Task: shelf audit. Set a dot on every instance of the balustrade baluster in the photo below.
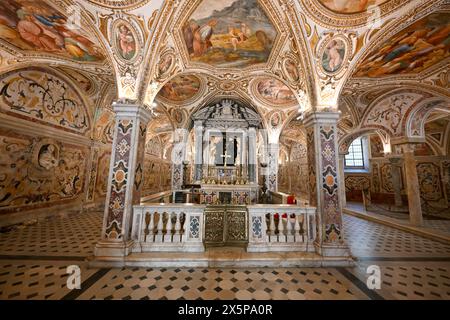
(272, 233)
(177, 235)
(159, 228)
(145, 225)
(297, 228)
(289, 235)
(168, 234)
(151, 228)
(281, 235)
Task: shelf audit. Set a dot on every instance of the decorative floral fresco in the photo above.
(92, 175)
(35, 26)
(181, 88)
(357, 182)
(40, 96)
(82, 81)
(275, 92)
(350, 6)
(412, 50)
(104, 125)
(101, 186)
(429, 181)
(229, 33)
(39, 172)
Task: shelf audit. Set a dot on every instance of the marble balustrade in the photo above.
(179, 228)
(281, 228)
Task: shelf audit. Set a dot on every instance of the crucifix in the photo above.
(225, 157)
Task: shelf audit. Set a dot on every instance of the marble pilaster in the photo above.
(412, 186)
(325, 182)
(198, 140)
(125, 179)
(396, 171)
(252, 154)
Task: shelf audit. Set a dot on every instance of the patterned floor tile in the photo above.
(31, 273)
(70, 235)
(410, 280)
(367, 238)
(36, 280)
(210, 284)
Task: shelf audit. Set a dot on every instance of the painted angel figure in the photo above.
(127, 43)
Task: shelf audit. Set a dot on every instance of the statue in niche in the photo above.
(238, 151)
(214, 142)
(48, 156)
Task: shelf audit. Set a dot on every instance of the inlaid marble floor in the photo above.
(33, 262)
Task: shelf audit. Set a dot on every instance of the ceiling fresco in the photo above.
(274, 92)
(350, 6)
(180, 88)
(37, 27)
(421, 45)
(229, 33)
(283, 57)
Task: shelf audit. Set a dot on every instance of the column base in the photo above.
(337, 250)
(107, 248)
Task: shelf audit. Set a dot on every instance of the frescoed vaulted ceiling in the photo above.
(351, 6)
(284, 58)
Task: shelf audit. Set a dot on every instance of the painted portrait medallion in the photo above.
(275, 92)
(126, 43)
(181, 88)
(333, 56)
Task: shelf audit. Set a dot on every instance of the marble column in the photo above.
(252, 154)
(396, 174)
(412, 186)
(198, 138)
(342, 179)
(325, 183)
(125, 179)
(273, 150)
(178, 157)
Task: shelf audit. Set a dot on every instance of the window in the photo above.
(355, 156)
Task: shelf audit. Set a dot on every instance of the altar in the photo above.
(229, 194)
(225, 154)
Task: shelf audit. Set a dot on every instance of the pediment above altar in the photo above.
(227, 114)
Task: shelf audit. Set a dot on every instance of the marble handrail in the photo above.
(281, 228)
(179, 227)
(168, 227)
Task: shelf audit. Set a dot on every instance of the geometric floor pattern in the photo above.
(34, 258)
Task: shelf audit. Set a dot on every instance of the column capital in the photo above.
(400, 141)
(395, 158)
(330, 117)
(404, 148)
(132, 111)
